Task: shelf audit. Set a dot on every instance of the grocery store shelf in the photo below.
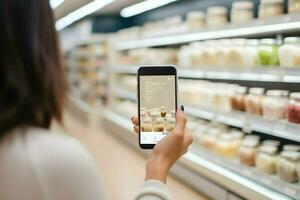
(278, 25)
(262, 74)
(249, 122)
(198, 166)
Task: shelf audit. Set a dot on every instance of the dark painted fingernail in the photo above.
(134, 127)
(132, 118)
(182, 108)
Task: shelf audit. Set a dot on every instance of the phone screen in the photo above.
(157, 107)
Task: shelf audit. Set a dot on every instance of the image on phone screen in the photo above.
(157, 107)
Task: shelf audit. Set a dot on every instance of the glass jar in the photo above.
(287, 165)
(235, 52)
(289, 52)
(293, 110)
(224, 146)
(237, 100)
(266, 159)
(268, 52)
(195, 20)
(250, 53)
(154, 115)
(216, 16)
(146, 125)
(210, 139)
(291, 147)
(159, 125)
(237, 137)
(253, 101)
(271, 143)
(274, 105)
(170, 124)
(242, 11)
(294, 6)
(270, 8)
(247, 151)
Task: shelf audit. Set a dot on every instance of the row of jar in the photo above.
(242, 11)
(273, 104)
(265, 156)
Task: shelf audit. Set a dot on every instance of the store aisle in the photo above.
(122, 168)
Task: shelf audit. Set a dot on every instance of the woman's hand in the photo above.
(168, 150)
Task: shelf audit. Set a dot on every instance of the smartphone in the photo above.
(157, 103)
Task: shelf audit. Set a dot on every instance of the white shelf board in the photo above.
(261, 74)
(215, 172)
(277, 25)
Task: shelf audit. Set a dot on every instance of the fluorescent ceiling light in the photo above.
(55, 3)
(81, 13)
(143, 7)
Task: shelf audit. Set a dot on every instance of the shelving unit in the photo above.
(256, 28)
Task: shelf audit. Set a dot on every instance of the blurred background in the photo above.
(239, 72)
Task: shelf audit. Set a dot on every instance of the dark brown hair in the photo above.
(32, 78)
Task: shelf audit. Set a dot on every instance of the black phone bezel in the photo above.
(157, 70)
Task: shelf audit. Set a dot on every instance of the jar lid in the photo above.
(256, 90)
(242, 5)
(236, 134)
(163, 109)
(147, 120)
(241, 90)
(196, 15)
(155, 113)
(213, 131)
(271, 1)
(268, 41)
(252, 42)
(291, 147)
(217, 10)
(268, 149)
(159, 120)
(252, 137)
(226, 137)
(295, 95)
(292, 40)
(250, 143)
(291, 155)
(271, 143)
(278, 93)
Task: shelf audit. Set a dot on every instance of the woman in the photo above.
(35, 164)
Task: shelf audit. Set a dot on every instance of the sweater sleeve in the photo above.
(153, 190)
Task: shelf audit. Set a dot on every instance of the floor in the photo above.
(121, 168)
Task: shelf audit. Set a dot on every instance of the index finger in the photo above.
(180, 122)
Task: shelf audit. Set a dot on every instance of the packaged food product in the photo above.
(154, 115)
(250, 53)
(170, 124)
(270, 8)
(289, 52)
(242, 11)
(210, 139)
(224, 145)
(294, 6)
(146, 124)
(247, 151)
(238, 99)
(195, 20)
(287, 165)
(216, 16)
(235, 54)
(163, 111)
(266, 158)
(274, 105)
(159, 125)
(268, 52)
(293, 110)
(253, 101)
(271, 143)
(291, 147)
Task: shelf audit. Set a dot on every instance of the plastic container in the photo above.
(253, 101)
(147, 125)
(170, 124)
(247, 151)
(291, 147)
(271, 143)
(289, 52)
(274, 105)
(287, 166)
(154, 115)
(237, 100)
(268, 52)
(159, 125)
(195, 20)
(266, 159)
(270, 8)
(250, 53)
(216, 16)
(210, 139)
(225, 146)
(293, 110)
(294, 6)
(242, 11)
(235, 54)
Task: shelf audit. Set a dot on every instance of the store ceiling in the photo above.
(70, 5)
